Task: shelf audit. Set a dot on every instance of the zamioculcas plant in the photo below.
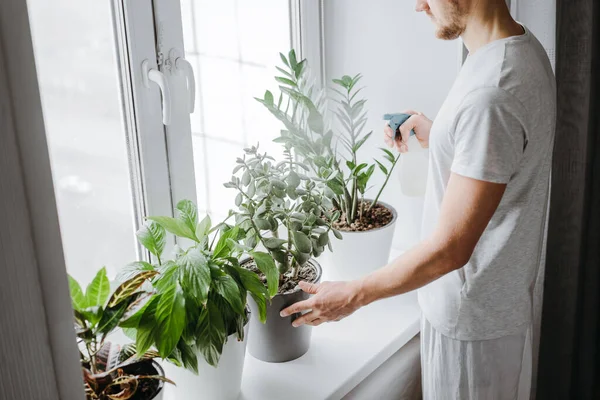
(199, 296)
(274, 198)
(110, 371)
(332, 156)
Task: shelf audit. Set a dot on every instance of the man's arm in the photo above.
(466, 210)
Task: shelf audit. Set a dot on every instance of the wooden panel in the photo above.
(568, 205)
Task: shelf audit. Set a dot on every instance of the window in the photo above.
(115, 155)
(229, 39)
(82, 97)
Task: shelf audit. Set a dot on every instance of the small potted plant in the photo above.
(281, 212)
(111, 371)
(197, 318)
(332, 156)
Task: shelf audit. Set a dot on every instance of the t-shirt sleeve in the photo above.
(489, 136)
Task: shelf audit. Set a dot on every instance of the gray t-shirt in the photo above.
(497, 124)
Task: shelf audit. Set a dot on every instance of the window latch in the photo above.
(154, 75)
(183, 66)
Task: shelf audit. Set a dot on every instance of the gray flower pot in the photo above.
(277, 340)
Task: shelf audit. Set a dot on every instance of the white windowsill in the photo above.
(341, 356)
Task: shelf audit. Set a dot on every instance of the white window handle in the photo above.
(154, 75)
(183, 66)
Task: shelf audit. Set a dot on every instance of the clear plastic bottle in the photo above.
(413, 169)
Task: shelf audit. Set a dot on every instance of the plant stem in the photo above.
(387, 178)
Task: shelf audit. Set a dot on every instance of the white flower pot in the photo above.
(221, 383)
(359, 253)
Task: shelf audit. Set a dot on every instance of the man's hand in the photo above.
(418, 122)
(331, 301)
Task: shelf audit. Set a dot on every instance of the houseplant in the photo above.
(111, 371)
(332, 155)
(197, 318)
(281, 211)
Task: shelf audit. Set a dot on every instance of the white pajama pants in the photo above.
(497, 369)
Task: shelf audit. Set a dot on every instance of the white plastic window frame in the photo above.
(174, 162)
(157, 184)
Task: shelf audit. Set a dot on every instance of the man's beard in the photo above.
(455, 26)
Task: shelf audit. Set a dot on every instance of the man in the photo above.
(490, 155)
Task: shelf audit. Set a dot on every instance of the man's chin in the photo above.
(446, 33)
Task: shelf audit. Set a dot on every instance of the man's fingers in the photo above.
(297, 308)
(387, 129)
(305, 319)
(406, 127)
(310, 288)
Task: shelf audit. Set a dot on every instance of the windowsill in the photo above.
(341, 356)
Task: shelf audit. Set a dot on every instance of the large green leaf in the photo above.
(258, 291)
(132, 269)
(189, 360)
(134, 320)
(169, 274)
(188, 213)
(92, 314)
(147, 327)
(98, 290)
(266, 265)
(223, 247)
(170, 317)
(127, 288)
(195, 278)
(211, 334)
(111, 317)
(175, 226)
(228, 288)
(152, 236)
(203, 228)
(302, 242)
(77, 297)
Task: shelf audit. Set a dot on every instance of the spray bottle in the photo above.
(414, 163)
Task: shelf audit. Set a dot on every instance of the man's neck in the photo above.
(487, 22)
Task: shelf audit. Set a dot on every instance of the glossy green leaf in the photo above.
(127, 288)
(152, 236)
(229, 290)
(97, 291)
(170, 317)
(211, 334)
(147, 327)
(222, 247)
(92, 314)
(77, 297)
(257, 290)
(176, 226)
(195, 274)
(188, 213)
(189, 360)
(203, 228)
(266, 265)
(111, 317)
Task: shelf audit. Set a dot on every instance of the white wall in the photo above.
(403, 66)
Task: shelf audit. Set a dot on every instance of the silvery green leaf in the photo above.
(238, 199)
(337, 234)
(262, 224)
(237, 168)
(246, 178)
(274, 243)
(302, 242)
